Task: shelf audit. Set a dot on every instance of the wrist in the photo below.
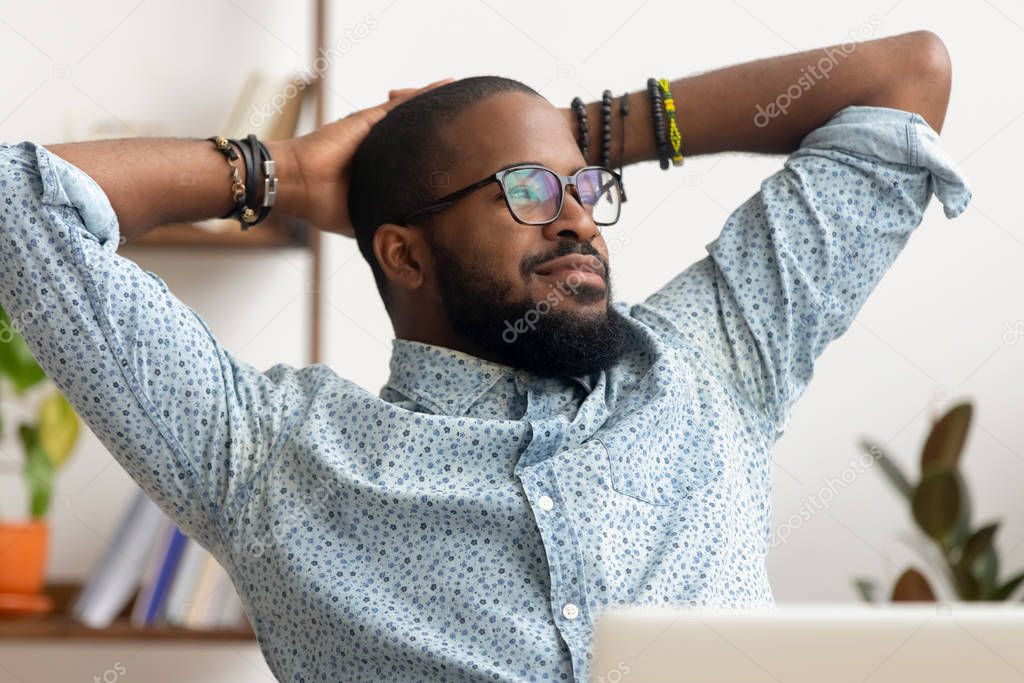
(292, 193)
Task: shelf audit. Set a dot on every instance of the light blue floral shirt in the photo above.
(471, 521)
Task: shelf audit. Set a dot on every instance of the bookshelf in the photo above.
(58, 625)
(275, 232)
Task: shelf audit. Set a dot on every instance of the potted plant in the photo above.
(47, 431)
(941, 508)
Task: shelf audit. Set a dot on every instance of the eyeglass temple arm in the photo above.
(447, 200)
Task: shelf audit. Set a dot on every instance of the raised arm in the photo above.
(796, 261)
(154, 181)
(769, 105)
(189, 422)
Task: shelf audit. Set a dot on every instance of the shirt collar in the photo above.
(448, 381)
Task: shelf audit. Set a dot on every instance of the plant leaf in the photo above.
(947, 437)
(967, 586)
(38, 472)
(985, 570)
(16, 361)
(979, 542)
(932, 554)
(865, 588)
(962, 529)
(58, 427)
(1004, 591)
(912, 587)
(889, 468)
(936, 503)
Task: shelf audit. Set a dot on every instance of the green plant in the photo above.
(47, 442)
(941, 507)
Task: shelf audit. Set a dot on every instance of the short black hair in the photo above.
(404, 161)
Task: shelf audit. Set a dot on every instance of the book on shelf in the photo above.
(152, 598)
(116, 577)
(179, 600)
(173, 579)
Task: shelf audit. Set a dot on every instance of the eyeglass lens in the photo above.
(534, 194)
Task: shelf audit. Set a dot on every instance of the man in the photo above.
(471, 521)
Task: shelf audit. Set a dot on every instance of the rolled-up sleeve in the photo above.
(189, 423)
(796, 261)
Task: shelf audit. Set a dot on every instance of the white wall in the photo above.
(931, 332)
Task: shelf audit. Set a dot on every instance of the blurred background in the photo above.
(945, 326)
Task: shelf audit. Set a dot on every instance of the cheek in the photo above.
(495, 244)
(498, 251)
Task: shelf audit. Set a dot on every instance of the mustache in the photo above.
(564, 248)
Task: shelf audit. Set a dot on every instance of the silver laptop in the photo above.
(933, 643)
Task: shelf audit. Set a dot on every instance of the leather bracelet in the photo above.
(257, 158)
(225, 147)
(269, 183)
(251, 156)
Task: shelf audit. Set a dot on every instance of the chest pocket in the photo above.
(660, 469)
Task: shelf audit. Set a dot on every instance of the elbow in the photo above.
(934, 57)
(930, 77)
(918, 76)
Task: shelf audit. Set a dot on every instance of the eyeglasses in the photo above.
(534, 194)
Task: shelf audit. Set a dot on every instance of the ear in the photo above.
(401, 253)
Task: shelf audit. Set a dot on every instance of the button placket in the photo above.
(566, 596)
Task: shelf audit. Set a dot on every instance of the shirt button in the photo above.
(545, 503)
(570, 611)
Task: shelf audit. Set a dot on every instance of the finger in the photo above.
(404, 92)
(397, 97)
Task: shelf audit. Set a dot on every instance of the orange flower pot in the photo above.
(23, 551)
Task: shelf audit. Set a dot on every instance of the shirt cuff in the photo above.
(897, 136)
(68, 185)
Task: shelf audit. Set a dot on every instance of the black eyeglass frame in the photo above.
(499, 177)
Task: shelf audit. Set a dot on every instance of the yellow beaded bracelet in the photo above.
(674, 136)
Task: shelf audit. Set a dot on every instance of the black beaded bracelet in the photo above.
(658, 116)
(606, 128)
(580, 110)
(623, 113)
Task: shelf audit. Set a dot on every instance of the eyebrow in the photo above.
(535, 163)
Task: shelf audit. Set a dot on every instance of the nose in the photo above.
(574, 221)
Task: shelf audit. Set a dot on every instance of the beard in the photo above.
(533, 335)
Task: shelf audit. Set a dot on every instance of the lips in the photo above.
(572, 262)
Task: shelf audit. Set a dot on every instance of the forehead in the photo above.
(509, 128)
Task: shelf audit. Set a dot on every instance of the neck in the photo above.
(434, 329)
